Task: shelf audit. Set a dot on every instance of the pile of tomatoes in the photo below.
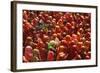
(56, 36)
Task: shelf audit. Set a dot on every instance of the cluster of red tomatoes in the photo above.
(55, 36)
